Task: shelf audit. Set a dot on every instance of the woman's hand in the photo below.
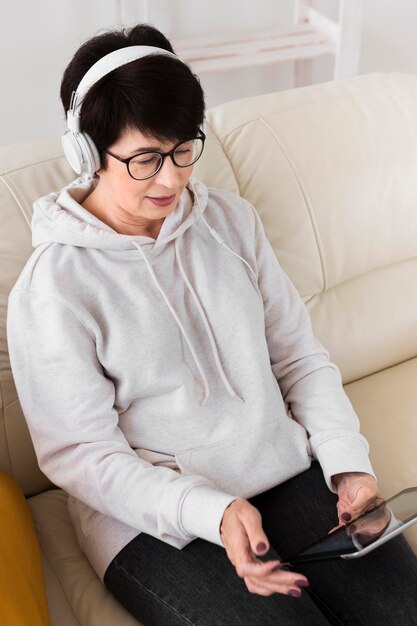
(243, 538)
(358, 492)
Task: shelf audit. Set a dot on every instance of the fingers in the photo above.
(356, 498)
(336, 528)
(359, 507)
(247, 539)
(256, 568)
(244, 539)
(278, 581)
(251, 520)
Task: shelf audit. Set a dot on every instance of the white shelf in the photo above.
(311, 35)
(273, 45)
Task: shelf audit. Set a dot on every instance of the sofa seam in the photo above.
(40, 533)
(226, 155)
(308, 203)
(314, 101)
(6, 406)
(5, 432)
(23, 164)
(16, 196)
(358, 276)
(383, 369)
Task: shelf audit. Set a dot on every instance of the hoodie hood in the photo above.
(59, 217)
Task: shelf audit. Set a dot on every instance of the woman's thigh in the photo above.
(163, 586)
(379, 587)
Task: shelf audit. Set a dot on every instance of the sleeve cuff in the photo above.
(202, 511)
(342, 454)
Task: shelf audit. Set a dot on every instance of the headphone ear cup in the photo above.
(72, 151)
(81, 152)
(91, 157)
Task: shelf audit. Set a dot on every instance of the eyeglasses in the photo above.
(147, 164)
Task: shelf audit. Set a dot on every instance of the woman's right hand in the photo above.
(241, 532)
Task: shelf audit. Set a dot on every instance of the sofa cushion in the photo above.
(330, 169)
(386, 404)
(83, 599)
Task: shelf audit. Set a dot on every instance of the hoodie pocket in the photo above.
(254, 460)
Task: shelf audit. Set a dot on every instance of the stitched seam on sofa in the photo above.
(5, 436)
(15, 193)
(24, 164)
(40, 532)
(383, 369)
(367, 272)
(151, 593)
(16, 399)
(314, 224)
(226, 154)
(1, 397)
(321, 99)
(6, 406)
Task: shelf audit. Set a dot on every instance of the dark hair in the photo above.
(158, 95)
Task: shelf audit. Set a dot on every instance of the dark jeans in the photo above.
(198, 585)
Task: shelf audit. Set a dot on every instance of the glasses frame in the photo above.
(164, 155)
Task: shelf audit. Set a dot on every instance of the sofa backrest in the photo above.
(27, 171)
(331, 170)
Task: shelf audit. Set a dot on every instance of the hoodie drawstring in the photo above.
(206, 324)
(177, 319)
(200, 309)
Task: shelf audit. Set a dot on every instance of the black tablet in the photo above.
(365, 533)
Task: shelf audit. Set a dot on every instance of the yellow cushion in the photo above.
(22, 586)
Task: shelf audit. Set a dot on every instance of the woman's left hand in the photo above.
(358, 492)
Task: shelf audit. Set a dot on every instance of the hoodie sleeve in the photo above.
(310, 383)
(68, 403)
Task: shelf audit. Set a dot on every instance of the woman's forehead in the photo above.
(133, 140)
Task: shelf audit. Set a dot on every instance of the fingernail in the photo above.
(346, 517)
(350, 529)
(302, 583)
(295, 592)
(260, 547)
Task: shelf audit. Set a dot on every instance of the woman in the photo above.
(179, 395)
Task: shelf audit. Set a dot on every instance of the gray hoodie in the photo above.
(162, 379)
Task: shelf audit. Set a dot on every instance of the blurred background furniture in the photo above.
(330, 169)
(311, 35)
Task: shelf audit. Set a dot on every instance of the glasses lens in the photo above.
(144, 165)
(188, 152)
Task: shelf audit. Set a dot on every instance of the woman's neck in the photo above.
(119, 220)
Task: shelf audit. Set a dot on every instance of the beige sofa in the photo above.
(331, 169)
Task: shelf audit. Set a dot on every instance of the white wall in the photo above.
(37, 40)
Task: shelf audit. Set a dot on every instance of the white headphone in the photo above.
(79, 148)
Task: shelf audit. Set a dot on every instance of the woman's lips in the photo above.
(162, 201)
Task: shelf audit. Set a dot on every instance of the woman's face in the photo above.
(129, 199)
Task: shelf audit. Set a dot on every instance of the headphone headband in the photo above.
(104, 66)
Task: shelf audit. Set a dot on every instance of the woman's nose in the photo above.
(169, 174)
